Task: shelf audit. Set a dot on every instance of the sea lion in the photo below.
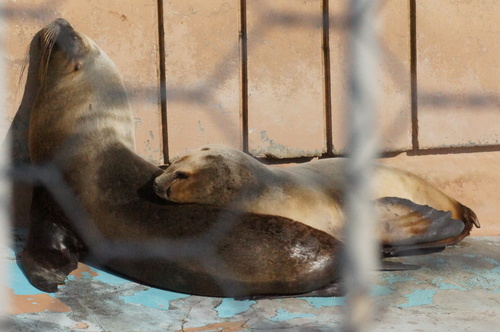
(81, 129)
(312, 193)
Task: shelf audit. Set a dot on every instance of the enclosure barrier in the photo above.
(361, 259)
(4, 179)
(361, 247)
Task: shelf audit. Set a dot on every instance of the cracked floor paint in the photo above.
(457, 289)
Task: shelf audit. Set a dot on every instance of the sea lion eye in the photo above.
(181, 175)
(205, 149)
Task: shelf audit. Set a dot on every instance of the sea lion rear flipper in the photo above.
(407, 226)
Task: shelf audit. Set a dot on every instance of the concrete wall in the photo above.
(269, 77)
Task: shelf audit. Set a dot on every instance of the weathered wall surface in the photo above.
(269, 77)
(458, 73)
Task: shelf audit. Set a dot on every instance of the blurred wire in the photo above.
(4, 180)
(360, 246)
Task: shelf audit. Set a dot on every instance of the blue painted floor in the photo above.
(455, 290)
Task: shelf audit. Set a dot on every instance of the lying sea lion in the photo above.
(81, 127)
(411, 209)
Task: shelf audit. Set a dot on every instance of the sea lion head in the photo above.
(70, 56)
(213, 174)
(75, 74)
(63, 50)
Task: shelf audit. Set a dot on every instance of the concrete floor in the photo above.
(455, 290)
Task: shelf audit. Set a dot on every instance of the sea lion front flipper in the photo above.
(412, 250)
(52, 250)
(397, 266)
(409, 226)
(333, 289)
(43, 271)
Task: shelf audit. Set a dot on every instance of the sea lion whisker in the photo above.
(47, 40)
(23, 68)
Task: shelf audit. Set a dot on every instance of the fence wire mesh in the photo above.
(363, 148)
(5, 194)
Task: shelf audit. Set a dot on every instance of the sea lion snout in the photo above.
(163, 183)
(158, 191)
(160, 187)
(62, 22)
(59, 29)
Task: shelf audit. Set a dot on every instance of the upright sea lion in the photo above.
(81, 127)
(313, 192)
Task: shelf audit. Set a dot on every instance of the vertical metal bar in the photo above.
(413, 72)
(244, 74)
(163, 81)
(4, 180)
(361, 247)
(327, 77)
